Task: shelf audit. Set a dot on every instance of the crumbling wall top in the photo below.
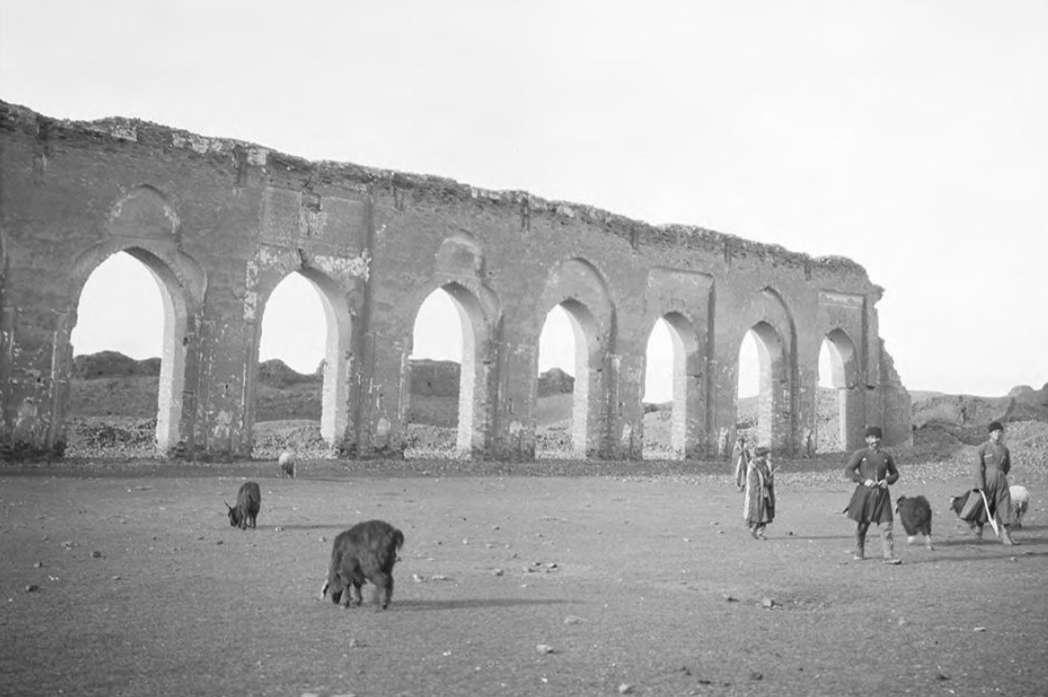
(363, 178)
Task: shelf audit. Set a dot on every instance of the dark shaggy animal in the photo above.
(249, 500)
(365, 551)
(916, 515)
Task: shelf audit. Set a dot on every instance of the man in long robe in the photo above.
(990, 470)
(758, 502)
(872, 469)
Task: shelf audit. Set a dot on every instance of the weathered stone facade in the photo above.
(220, 223)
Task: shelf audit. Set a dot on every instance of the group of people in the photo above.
(873, 470)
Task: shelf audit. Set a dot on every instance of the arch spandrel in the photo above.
(145, 213)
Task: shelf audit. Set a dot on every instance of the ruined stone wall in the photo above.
(221, 223)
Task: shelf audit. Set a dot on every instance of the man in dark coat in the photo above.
(992, 464)
(872, 469)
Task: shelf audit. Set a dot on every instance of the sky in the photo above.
(908, 135)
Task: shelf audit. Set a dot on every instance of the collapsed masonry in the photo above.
(221, 222)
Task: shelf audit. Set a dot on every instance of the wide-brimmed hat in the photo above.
(760, 451)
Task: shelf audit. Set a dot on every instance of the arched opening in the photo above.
(562, 414)
(438, 386)
(762, 387)
(840, 395)
(290, 387)
(128, 376)
(448, 409)
(671, 347)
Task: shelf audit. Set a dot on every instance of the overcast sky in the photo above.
(908, 135)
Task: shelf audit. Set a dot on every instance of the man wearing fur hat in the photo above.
(990, 476)
(872, 469)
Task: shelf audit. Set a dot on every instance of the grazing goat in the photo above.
(1020, 503)
(916, 515)
(365, 551)
(249, 500)
(287, 464)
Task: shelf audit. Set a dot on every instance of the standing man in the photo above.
(872, 469)
(758, 502)
(993, 462)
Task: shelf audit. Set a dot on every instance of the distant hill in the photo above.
(112, 364)
(109, 385)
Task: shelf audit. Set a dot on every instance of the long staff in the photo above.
(993, 523)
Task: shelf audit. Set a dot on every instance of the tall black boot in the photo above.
(860, 542)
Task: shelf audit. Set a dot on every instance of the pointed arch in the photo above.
(845, 378)
(684, 364)
(270, 267)
(181, 282)
(772, 325)
(475, 404)
(145, 213)
(581, 291)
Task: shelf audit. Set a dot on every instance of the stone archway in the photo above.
(580, 290)
(338, 355)
(844, 376)
(685, 397)
(181, 284)
(474, 401)
(772, 385)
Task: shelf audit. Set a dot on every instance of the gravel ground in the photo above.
(132, 583)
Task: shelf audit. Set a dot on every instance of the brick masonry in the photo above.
(221, 222)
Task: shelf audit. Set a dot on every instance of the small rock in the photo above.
(497, 572)
(32, 588)
(323, 538)
(731, 599)
(768, 603)
(979, 629)
(418, 578)
(96, 554)
(38, 565)
(572, 619)
(754, 675)
(544, 648)
(625, 689)
(219, 542)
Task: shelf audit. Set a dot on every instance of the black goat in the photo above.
(249, 501)
(366, 551)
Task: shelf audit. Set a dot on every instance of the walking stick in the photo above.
(993, 523)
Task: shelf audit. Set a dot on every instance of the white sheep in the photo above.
(287, 464)
(1020, 503)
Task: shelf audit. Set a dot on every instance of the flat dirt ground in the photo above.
(128, 580)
